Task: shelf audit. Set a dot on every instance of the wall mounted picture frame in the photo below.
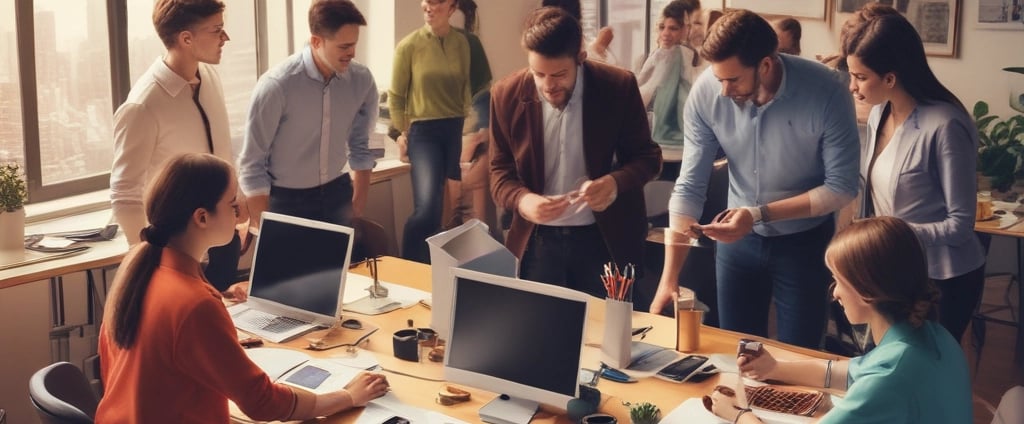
(937, 21)
(812, 9)
(1000, 14)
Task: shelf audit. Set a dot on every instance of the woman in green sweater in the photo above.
(428, 99)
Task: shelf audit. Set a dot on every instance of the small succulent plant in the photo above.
(644, 413)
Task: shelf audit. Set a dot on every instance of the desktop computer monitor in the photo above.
(299, 267)
(517, 338)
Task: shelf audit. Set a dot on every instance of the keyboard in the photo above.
(787, 401)
(268, 326)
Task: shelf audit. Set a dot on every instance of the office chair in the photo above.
(61, 395)
(371, 240)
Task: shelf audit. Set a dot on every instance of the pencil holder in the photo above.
(617, 343)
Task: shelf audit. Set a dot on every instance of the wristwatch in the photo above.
(764, 214)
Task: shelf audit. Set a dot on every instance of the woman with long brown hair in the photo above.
(168, 349)
(919, 160)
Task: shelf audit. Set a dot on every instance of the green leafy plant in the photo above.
(1001, 150)
(13, 192)
(644, 413)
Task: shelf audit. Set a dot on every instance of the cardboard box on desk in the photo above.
(468, 246)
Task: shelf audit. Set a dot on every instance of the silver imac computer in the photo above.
(518, 338)
(297, 279)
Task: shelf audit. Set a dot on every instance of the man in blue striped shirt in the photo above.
(309, 125)
(788, 127)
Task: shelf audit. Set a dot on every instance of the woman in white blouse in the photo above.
(919, 161)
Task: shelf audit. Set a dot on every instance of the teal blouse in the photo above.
(912, 376)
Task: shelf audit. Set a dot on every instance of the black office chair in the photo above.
(61, 395)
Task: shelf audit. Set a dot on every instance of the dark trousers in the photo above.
(222, 270)
(434, 149)
(330, 202)
(789, 268)
(572, 257)
(960, 296)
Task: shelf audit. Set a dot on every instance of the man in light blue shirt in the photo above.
(309, 125)
(788, 127)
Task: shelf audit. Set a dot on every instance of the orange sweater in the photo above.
(186, 362)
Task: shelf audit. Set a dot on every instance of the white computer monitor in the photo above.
(299, 266)
(518, 338)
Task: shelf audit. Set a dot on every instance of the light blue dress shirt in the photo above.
(302, 131)
(913, 376)
(806, 136)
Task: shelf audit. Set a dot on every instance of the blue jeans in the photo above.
(792, 269)
(434, 149)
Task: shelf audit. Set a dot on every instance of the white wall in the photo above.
(975, 75)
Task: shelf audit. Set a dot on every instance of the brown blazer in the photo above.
(617, 141)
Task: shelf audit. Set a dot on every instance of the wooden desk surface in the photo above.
(421, 391)
(102, 254)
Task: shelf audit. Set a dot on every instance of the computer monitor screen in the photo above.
(516, 337)
(300, 265)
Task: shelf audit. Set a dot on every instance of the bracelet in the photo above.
(828, 374)
(742, 411)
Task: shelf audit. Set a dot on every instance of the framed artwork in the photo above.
(1000, 14)
(936, 21)
(814, 9)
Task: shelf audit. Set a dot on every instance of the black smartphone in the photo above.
(682, 369)
(396, 420)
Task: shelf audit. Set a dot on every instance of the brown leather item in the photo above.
(786, 400)
(449, 395)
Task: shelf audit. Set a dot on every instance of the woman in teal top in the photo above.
(428, 100)
(665, 77)
(916, 374)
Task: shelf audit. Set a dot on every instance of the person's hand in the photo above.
(403, 148)
(759, 368)
(239, 292)
(599, 193)
(366, 387)
(724, 402)
(730, 225)
(667, 292)
(244, 236)
(540, 209)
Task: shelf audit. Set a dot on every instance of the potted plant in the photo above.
(644, 413)
(13, 194)
(1001, 147)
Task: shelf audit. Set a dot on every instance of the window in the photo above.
(11, 147)
(73, 89)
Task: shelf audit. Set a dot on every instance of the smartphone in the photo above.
(683, 369)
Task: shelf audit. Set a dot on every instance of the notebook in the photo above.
(297, 278)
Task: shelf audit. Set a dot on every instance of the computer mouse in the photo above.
(352, 324)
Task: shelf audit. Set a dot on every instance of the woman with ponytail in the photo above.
(916, 374)
(168, 349)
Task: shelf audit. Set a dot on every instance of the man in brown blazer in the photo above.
(571, 153)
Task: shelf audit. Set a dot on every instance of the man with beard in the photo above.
(572, 152)
(787, 126)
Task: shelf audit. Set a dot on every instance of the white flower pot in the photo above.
(12, 230)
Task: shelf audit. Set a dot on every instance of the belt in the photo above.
(567, 230)
(343, 180)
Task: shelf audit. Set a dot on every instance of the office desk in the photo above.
(1017, 232)
(421, 392)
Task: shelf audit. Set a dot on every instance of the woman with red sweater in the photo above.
(168, 349)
